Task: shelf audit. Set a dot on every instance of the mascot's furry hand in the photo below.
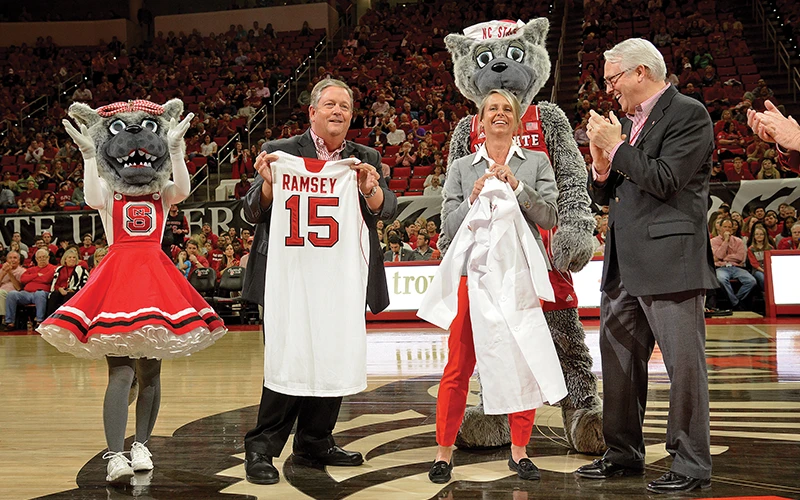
(82, 139)
(572, 249)
(175, 133)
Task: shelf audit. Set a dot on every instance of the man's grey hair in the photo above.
(316, 92)
(634, 52)
(42, 250)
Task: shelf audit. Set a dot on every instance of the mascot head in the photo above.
(131, 142)
(501, 54)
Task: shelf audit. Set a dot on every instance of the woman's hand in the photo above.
(503, 172)
(478, 187)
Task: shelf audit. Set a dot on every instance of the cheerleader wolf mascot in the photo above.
(136, 308)
(512, 56)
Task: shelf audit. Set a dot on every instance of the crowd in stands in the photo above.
(707, 58)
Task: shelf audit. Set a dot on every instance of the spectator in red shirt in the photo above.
(31, 192)
(213, 238)
(36, 282)
(771, 223)
(47, 237)
(242, 187)
(792, 243)
(64, 195)
(88, 248)
(214, 256)
(760, 244)
(739, 172)
(197, 260)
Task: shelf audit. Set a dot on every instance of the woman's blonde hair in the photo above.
(511, 98)
(69, 251)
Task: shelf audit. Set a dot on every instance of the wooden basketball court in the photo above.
(51, 431)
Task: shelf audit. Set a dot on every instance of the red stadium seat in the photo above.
(423, 171)
(412, 193)
(351, 134)
(364, 141)
(221, 141)
(389, 160)
(748, 70)
(391, 151)
(398, 184)
(417, 183)
(401, 172)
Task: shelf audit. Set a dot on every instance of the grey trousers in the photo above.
(629, 328)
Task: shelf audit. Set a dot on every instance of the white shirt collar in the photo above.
(482, 154)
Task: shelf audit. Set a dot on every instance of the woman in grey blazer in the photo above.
(531, 177)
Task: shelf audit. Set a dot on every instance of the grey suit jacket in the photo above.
(537, 200)
(303, 146)
(657, 194)
(405, 255)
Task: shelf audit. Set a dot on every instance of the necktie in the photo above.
(397, 257)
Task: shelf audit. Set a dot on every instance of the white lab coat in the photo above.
(506, 277)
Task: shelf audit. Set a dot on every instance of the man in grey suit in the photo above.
(396, 252)
(330, 112)
(652, 168)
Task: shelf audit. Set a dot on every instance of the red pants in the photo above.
(452, 399)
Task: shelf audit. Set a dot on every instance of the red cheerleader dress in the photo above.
(136, 302)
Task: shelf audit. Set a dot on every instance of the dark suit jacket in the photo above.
(657, 194)
(405, 255)
(303, 146)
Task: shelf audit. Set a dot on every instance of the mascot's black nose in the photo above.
(499, 67)
(133, 128)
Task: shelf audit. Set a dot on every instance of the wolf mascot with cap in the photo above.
(512, 56)
(136, 308)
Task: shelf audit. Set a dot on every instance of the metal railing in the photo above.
(309, 64)
(223, 154)
(560, 57)
(260, 116)
(205, 169)
(70, 84)
(781, 56)
(27, 111)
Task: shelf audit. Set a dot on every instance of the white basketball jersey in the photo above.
(316, 283)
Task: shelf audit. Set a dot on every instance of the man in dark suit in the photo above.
(652, 168)
(396, 252)
(330, 112)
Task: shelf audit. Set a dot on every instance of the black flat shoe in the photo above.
(332, 456)
(672, 482)
(525, 469)
(605, 469)
(440, 472)
(258, 468)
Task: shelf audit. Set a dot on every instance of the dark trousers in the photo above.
(629, 328)
(315, 416)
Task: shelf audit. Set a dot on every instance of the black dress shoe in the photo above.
(332, 456)
(672, 482)
(525, 469)
(440, 472)
(258, 468)
(604, 469)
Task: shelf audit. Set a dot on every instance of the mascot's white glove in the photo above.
(82, 139)
(175, 134)
(177, 147)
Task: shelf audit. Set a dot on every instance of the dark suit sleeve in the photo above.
(253, 213)
(389, 207)
(601, 192)
(684, 149)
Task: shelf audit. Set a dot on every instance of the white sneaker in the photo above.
(140, 457)
(118, 466)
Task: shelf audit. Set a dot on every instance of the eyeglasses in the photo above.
(612, 80)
